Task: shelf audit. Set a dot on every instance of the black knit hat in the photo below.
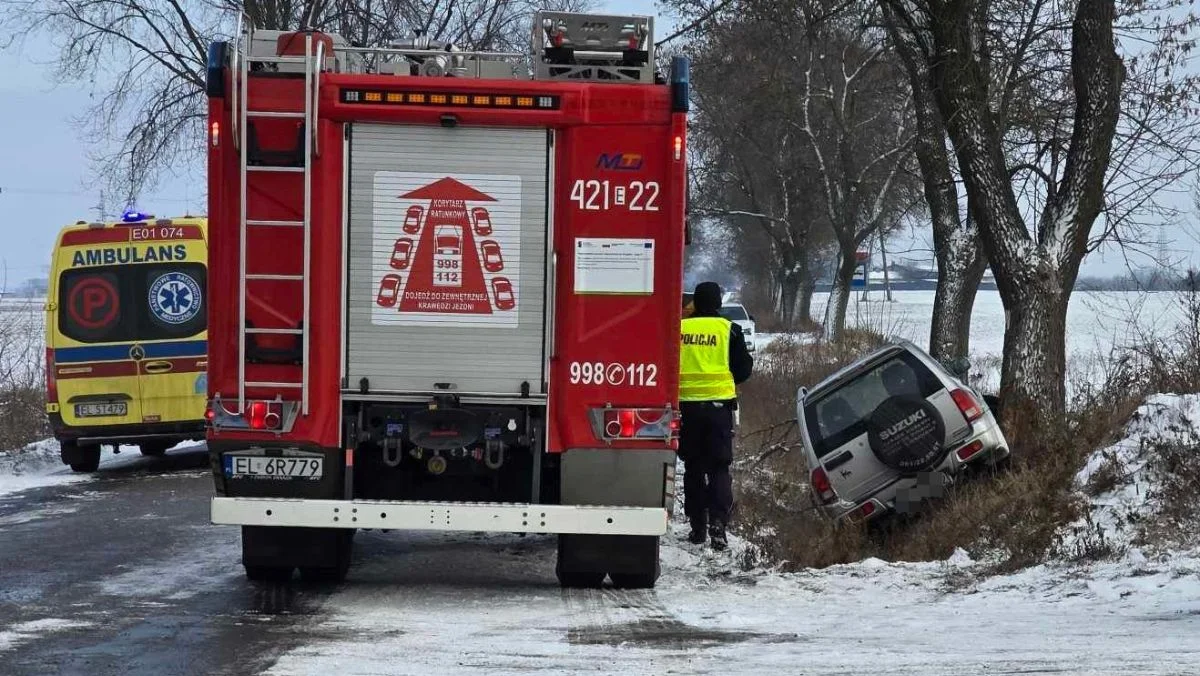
(707, 297)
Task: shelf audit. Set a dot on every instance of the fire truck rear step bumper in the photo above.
(500, 517)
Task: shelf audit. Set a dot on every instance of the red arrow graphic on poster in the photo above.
(446, 273)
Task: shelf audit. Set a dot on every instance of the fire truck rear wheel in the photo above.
(634, 580)
(344, 550)
(580, 580)
(269, 573)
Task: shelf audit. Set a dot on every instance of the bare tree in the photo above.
(1034, 273)
(145, 59)
(856, 120)
(805, 135)
(753, 163)
(1053, 131)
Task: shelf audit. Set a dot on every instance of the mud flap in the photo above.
(616, 555)
(277, 547)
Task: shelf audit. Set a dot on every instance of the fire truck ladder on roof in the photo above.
(312, 64)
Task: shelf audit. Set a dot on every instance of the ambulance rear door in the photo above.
(172, 331)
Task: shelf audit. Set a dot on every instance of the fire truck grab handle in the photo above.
(316, 97)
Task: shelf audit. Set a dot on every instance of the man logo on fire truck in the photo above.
(454, 278)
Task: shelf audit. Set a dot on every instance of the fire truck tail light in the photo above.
(214, 132)
(635, 423)
(259, 415)
(678, 148)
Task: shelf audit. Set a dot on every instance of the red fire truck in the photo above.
(516, 370)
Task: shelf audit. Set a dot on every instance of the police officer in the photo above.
(713, 359)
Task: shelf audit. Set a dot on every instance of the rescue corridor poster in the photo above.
(447, 249)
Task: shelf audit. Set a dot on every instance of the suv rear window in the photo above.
(132, 302)
(733, 313)
(840, 416)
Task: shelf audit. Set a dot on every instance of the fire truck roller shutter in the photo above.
(448, 230)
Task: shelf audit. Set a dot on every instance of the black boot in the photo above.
(716, 536)
(697, 536)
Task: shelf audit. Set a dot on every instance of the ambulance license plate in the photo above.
(260, 467)
(101, 410)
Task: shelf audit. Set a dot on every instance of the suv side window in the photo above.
(840, 416)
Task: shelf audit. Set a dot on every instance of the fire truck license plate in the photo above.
(100, 410)
(254, 467)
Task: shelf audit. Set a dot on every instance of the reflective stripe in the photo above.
(704, 373)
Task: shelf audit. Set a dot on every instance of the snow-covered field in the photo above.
(1097, 323)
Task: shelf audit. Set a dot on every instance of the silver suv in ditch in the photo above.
(890, 431)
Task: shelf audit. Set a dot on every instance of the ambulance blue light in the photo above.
(133, 216)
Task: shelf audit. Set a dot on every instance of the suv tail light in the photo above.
(647, 424)
(864, 510)
(970, 450)
(966, 403)
(51, 378)
(821, 486)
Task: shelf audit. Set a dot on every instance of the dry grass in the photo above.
(22, 377)
(1175, 496)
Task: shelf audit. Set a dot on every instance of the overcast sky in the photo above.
(45, 181)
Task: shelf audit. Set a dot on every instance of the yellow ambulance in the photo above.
(126, 336)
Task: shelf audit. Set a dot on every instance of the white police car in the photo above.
(737, 314)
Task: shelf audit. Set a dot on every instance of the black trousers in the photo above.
(706, 448)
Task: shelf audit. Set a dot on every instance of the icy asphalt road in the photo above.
(122, 574)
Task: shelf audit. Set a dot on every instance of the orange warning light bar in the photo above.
(456, 100)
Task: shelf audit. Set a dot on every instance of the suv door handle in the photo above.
(158, 366)
(839, 461)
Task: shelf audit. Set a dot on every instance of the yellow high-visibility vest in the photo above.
(704, 360)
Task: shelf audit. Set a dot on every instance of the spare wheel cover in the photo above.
(907, 434)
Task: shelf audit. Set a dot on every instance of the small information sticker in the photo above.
(611, 265)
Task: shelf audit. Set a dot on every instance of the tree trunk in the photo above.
(1032, 384)
(804, 308)
(789, 292)
(839, 295)
(950, 332)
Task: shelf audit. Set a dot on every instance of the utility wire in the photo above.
(704, 17)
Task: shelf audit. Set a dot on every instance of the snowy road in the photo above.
(121, 574)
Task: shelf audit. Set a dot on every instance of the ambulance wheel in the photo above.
(80, 458)
(154, 449)
(268, 573)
